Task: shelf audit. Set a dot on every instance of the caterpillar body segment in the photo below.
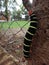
(29, 35)
(32, 31)
(27, 43)
(26, 51)
(27, 39)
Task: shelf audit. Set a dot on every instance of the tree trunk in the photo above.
(40, 49)
(40, 41)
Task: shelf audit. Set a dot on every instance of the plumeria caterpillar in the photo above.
(31, 31)
(29, 34)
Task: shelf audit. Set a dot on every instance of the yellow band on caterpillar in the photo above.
(30, 33)
(32, 15)
(26, 55)
(33, 18)
(27, 39)
(33, 27)
(25, 50)
(33, 21)
(26, 45)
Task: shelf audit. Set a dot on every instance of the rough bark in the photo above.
(40, 42)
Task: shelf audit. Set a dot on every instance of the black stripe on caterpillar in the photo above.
(29, 34)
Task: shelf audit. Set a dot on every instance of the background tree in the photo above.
(0, 4)
(12, 4)
(6, 8)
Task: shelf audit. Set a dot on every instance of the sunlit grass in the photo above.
(15, 24)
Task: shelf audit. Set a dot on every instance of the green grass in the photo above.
(15, 24)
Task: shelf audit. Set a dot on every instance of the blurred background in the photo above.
(14, 22)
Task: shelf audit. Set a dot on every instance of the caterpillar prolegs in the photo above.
(29, 35)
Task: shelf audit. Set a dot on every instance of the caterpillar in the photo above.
(6, 59)
(31, 30)
(29, 34)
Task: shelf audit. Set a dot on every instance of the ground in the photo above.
(11, 36)
(13, 43)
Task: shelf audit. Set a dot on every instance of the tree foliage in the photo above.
(17, 14)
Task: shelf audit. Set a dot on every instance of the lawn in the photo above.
(15, 24)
